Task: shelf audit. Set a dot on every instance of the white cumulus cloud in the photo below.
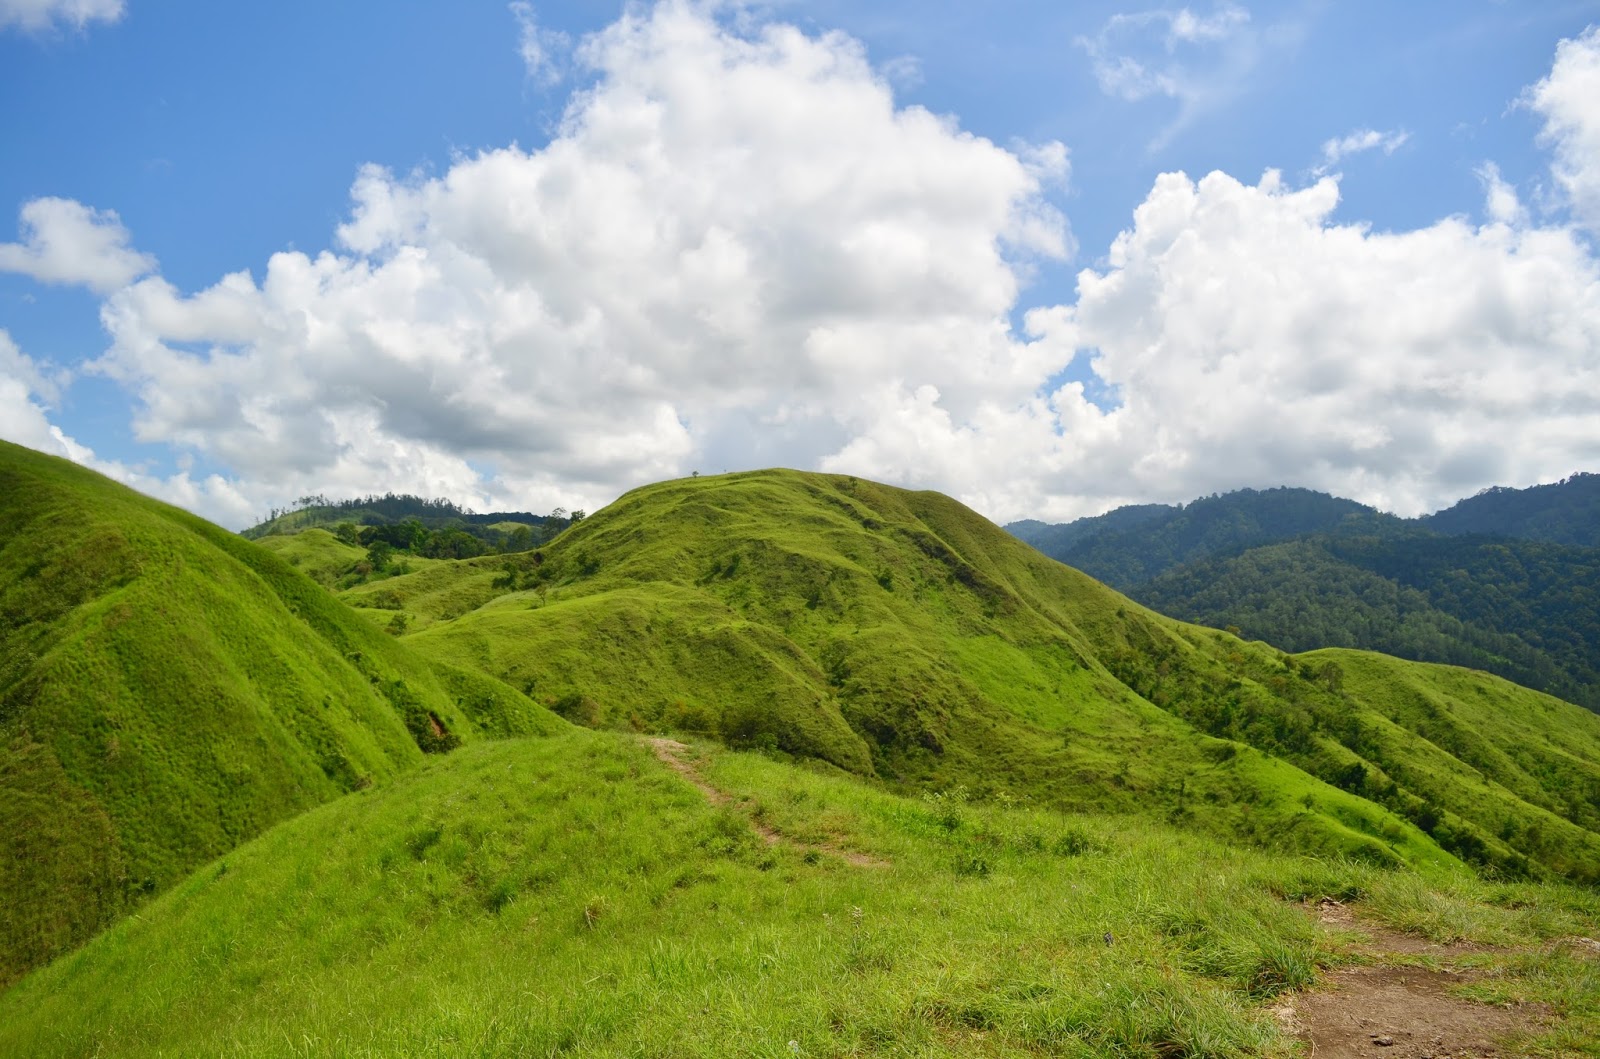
(734, 241)
(738, 251)
(41, 14)
(1253, 341)
(1569, 101)
(64, 241)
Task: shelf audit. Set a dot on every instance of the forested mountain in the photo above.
(1051, 538)
(1565, 512)
(1129, 546)
(1304, 570)
(1525, 611)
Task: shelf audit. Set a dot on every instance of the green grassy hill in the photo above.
(168, 690)
(327, 560)
(574, 896)
(900, 636)
(995, 809)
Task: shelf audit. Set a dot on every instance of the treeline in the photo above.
(1564, 512)
(388, 544)
(316, 510)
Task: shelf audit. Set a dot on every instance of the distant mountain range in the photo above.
(1507, 581)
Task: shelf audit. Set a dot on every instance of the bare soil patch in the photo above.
(677, 757)
(1394, 1010)
(1401, 1013)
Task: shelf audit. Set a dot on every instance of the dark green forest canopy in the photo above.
(1506, 581)
(1564, 512)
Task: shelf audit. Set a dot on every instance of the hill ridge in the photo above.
(899, 635)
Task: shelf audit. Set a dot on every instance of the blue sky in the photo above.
(603, 246)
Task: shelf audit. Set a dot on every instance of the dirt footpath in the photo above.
(680, 758)
(1393, 1009)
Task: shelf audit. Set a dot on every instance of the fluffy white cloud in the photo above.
(730, 230)
(1569, 101)
(39, 14)
(29, 391)
(737, 251)
(26, 391)
(64, 241)
(1254, 341)
(1341, 147)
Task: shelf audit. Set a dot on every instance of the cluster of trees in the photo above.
(434, 514)
(388, 543)
(317, 510)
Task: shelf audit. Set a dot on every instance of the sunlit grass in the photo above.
(573, 895)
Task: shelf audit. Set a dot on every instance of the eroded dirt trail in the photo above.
(1399, 1005)
(678, 757)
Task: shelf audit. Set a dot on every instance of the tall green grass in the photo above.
(573, 896)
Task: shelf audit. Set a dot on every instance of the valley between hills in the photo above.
(769, 763)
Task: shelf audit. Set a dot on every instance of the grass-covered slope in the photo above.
(1457, 737)
(572, 896)
(168, 690)
(315, 552)
(329, 561)
(900, 635)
